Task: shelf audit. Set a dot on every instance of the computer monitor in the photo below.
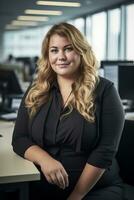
(9, 87)
(10, 79)
(123, 78)
(111, 63)
(126, 81)
(115, 62)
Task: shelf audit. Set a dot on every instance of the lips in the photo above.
(63, 65)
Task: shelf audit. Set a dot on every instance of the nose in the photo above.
(62, 55)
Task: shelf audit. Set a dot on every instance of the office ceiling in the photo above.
(11, 9)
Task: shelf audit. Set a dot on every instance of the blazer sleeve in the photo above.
(111, 124)
(21, 139)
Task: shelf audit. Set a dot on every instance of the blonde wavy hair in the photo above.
(83, 88)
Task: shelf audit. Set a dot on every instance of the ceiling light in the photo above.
(58, 3)
(33, 18)
(23, 23)
(43, 12)
(11, 27)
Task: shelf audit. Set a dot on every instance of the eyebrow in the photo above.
(68, 45)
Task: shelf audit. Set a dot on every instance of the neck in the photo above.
(65, 84)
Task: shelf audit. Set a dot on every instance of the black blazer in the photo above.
(30, 132)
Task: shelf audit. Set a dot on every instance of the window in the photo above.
(79, 23)
(130, 32)
(24, 42)
(98, 37)
(89, 29)
(113, 33)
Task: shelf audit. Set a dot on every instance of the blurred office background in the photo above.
(107, 25)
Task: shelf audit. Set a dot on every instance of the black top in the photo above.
(67, 130)
(98, 140)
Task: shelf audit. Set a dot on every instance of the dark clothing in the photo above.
(74, 165)
(41, 190)
(73, 140)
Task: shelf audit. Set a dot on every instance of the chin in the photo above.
(63, 73)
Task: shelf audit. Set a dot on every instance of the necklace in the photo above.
(64, 104)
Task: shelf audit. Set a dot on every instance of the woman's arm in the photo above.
(24, 146)
(21, 139)
(87, 180)
(51, 168)
(110, 129)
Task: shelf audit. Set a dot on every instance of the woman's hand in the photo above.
(54, 172)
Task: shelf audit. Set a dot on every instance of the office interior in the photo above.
(109, 28)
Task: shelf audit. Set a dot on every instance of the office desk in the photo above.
(14, 170)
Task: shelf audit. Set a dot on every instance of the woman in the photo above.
(70, 122)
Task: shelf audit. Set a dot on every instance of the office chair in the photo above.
(125, 158)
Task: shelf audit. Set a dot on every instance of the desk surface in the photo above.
(13, 168)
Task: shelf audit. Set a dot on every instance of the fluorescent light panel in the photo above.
(33, 18)
(23, 23)
(10, 27)
(58, 3)
(43, 12)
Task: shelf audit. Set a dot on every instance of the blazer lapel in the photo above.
(37, 124)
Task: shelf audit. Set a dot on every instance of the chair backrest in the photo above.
(125, 154)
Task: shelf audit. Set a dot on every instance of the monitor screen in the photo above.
(126, 81)
(10, 82)
(123, 78)
(10, 89)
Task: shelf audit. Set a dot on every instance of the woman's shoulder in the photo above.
(103, 82)
(103, 85)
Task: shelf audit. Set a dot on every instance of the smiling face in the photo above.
(62, 57)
